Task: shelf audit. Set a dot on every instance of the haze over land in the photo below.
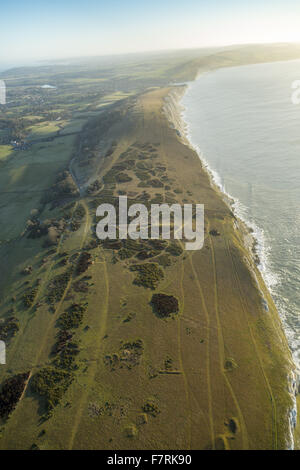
(58, 29)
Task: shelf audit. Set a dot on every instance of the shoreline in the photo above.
(252, 235)
(250, 230)
(261, 248)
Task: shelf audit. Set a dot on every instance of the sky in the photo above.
(53, 29)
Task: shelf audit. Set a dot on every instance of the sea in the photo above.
(246, 128)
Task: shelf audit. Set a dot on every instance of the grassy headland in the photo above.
(98, 364)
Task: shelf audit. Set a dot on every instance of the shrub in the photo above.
(77, 217)
(63, 339)
(146, 254)
(35, 229)
(214, 233)
(51, 383)
(94, 187)
(142, 175)
(155, 183)
(151, 408)
(57, 286)
(111, 244)
(131, 353)
(81, 286)
(83, 263)
(158, 244)
(148, 275)
(131, 431)
(174, 249)
(28, 297)
(124, 253)
(164, 260)
(164, 305)
(66, 359)
(9, 328)
(72, 318)
(64, 186)
(11, 393)
(123, 178)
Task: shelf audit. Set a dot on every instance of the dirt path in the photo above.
(267, 383)
(186, 385)
(207, 342)
(93, 365)
(39, 294)
(25, 386)
(221, 350)
(180, 356)
(58, 308)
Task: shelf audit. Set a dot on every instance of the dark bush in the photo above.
(11, 392)
(123, 178)
(148, 274)
(77, 217)
(63, 338)
(174, 249)
(72, 318)
(57, 286)
(52, 384)
(151, 408)
(8, 328)
(66, 359)
(214, 233)
(164, 305)
(28, 297)
(83, 263)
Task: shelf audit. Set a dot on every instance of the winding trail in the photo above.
(207, 342)
(48, 271)
(186, 385)
(57, 311)
(180, 357)
(39, 293)
(267, 383)
(58, 308)
(221, 349)
(93, 367)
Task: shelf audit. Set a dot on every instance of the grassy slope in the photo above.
(221, 317)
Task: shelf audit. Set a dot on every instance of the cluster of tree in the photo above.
(164, 305)
(11, 392)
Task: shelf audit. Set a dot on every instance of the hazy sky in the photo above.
(36, 29)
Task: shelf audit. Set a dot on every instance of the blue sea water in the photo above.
(244, 125)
